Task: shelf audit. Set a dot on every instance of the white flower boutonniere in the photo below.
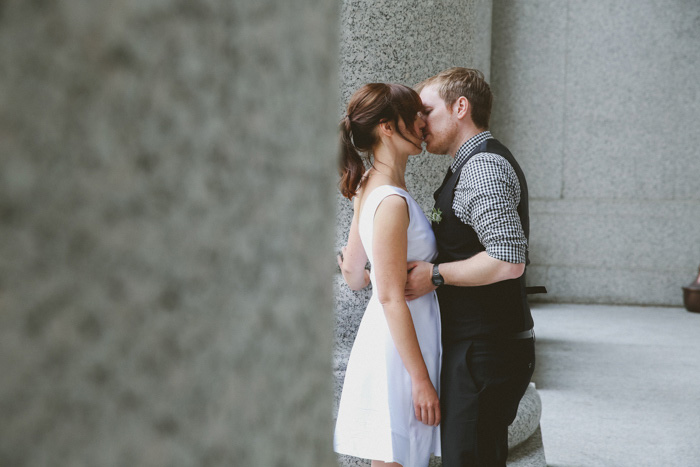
(435, 216)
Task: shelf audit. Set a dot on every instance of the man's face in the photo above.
(440, 132)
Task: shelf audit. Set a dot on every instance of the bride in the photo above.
(389, 410)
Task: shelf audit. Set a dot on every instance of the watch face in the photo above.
(437, 278)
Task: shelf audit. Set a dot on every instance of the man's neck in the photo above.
(466, 135)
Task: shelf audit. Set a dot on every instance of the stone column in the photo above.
(406, 42)
(165, 243)
(402, 42)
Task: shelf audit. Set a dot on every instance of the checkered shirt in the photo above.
(486, 199)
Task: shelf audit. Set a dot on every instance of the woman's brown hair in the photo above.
(371, 105)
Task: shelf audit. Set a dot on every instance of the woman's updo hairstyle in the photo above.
(371, 105)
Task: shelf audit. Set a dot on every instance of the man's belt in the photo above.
(520, 335)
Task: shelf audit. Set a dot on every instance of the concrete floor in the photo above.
(620, 386)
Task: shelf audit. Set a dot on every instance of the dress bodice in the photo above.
(421, 240)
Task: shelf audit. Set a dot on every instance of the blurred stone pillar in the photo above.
(165, 240)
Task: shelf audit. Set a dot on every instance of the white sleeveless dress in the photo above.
(376, 419)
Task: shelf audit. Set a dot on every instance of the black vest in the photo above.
(488, 311)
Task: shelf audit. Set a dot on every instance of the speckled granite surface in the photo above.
(165, 188)
(406, 42)
(528, 418)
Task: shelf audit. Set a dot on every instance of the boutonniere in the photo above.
(435, 216)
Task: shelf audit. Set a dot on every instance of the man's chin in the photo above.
(433, 150)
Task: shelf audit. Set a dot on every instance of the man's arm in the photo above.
(480, 269)
(486, 198)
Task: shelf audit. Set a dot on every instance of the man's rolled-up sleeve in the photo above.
(487, 198)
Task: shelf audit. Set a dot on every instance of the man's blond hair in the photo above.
(456, 82)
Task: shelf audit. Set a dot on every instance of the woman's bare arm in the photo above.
(353, 259)
(389, 250)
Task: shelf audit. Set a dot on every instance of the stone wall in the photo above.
(599, 102)
(166, 247)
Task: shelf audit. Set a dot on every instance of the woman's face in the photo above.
(413, 135)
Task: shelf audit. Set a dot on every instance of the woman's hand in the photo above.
(340, 257)
(425, 402)
(354, 285)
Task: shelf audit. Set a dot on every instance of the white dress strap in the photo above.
(375, 198)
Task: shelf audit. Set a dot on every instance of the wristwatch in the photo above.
(437, 279)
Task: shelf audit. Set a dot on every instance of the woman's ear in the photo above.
(386, 128)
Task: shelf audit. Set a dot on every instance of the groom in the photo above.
(481, 225)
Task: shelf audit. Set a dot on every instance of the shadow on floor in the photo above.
(548, 354)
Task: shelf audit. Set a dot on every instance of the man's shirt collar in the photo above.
(466, 149)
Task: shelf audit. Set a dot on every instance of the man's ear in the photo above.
(461, 106)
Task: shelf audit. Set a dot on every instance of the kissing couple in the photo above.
(445, 348)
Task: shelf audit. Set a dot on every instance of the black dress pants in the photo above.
(482, 382)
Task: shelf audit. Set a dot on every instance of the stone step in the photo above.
(528, 418)
(530, 453)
